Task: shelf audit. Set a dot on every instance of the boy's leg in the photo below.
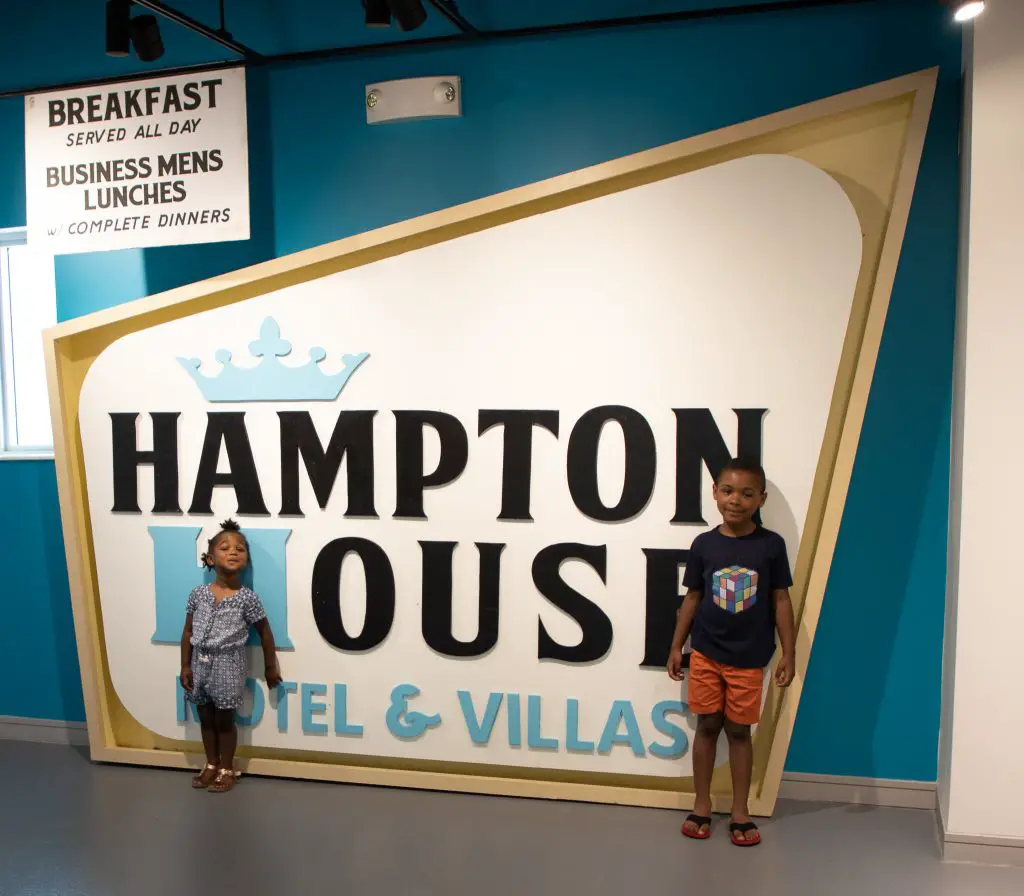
(741, 764)
(705, 745)
(706, 698)
(743, 691)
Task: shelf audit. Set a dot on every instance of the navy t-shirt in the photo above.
(735, 621)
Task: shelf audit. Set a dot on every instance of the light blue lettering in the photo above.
(515, 720)
(680, 742)
(622, 711)
(176, 573)
(258, 705)
(404, 723)
(184, 705)
(533, 735)
(572, 729)
(309, 708)
(479, 732)
(283, 690)
(342, 727)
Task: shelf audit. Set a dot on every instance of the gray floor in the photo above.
(70, 828)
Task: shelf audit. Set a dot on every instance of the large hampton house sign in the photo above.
(470, 453)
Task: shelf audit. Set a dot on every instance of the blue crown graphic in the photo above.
(270, 380)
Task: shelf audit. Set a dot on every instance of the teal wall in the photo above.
(532, 110)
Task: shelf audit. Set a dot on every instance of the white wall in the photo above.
(981, 783)
(957, 442)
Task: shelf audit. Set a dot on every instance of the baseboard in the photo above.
(858, 791)
(969, 849)
(1007, 851)
(44, 731)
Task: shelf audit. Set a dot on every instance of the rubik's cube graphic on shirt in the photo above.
(734, 588)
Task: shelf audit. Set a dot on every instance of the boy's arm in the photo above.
(186, 654)
(786, 626)
(684, 620)
(269, 652)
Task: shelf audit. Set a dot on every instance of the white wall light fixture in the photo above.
(414, 98)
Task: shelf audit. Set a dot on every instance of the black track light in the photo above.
(119, 14)
(378, 13)
(149, 46)
(409, 14)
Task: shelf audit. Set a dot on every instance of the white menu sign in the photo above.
(157, 162)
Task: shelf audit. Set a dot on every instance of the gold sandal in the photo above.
(224, 781)
(204, 779)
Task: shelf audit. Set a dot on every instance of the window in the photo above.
(28, 305)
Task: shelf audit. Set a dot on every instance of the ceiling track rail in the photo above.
(445, 41)
(220, 36)
(450, 11)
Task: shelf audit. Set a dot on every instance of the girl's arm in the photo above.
(186, 654)
(269, 652)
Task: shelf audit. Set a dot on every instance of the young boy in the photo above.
(737, 580)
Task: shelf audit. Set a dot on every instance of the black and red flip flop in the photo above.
(699, 821)
(745, 828)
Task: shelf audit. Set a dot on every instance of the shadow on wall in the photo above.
(778, 516)
(168, 267)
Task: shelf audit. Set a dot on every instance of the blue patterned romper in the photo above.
(219, 633)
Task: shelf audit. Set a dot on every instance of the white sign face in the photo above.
(159, 162)
(489, 573)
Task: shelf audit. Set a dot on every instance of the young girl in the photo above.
(213, 662)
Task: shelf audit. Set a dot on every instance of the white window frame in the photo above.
(12, 236)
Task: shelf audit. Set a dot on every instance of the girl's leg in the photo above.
(227, 737)
(229, 673)
(208, 727)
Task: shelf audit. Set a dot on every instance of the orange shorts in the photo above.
(715, 687)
